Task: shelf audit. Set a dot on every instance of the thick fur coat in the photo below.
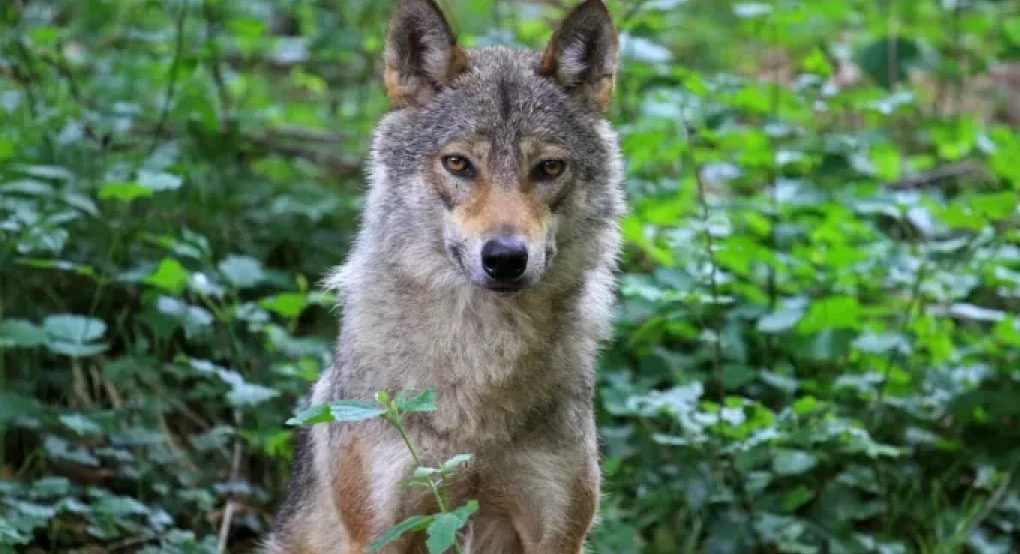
(482, 145)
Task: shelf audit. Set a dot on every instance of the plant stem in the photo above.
(395, 419)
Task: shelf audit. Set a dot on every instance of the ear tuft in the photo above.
(422, 55)
(582, 55)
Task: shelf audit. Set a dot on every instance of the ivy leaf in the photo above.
(413, 523)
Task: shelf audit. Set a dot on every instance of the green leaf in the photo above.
(424, 401)
(887, 60)
(452, 463)
(80, 424)
(442, 532)
(250, 394)
(20, 333)
(355, 410)
(123, 191)
(72, 335)
(413, 523)
(880, 343)
(288, 304)
(242, 271)
(159, 180)
(170, 276)
(834, 312)
(342, 410)
(796, 497)
(423, 473)
(311, 416)
(465, 511)
(780, 320)
(793, 462)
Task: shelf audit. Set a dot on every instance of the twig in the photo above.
(174, 447)
(993, 502)
(710, 246)
(226, 104)
(171, 86)
(925, 178)
(332, 161)
(228, 511)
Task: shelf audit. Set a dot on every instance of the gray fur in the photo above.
(514, 374)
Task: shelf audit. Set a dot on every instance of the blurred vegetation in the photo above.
(817, 346)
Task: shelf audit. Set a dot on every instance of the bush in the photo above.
(817, 346)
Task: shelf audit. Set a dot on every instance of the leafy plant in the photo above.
(441, 527)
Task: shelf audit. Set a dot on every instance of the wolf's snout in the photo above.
(505, 259)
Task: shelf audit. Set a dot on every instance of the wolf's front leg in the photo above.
(366, 470)
(555, 492)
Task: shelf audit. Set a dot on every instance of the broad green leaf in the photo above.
(311, 415)
(342, 410)
(242, 271)
(73, 328)
(413, 523)
(780, 320)
(442, 532)
(355, 410)
(170, 276)
(20, 333)
(125, 191)
(796, 497)
(880, 343)
(834, 312)
(250, 394)
(288, 304)
(793, 462)
(888, 59)
(158, 180)
(80, 424)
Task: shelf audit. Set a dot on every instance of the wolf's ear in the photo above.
(421, 54)
(582, 55)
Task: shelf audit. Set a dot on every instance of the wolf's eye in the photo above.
(458, 165)
(549, 169)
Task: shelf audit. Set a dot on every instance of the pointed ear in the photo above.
(582, 55)
(421, 53)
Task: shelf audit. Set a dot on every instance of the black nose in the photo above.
(505, 258)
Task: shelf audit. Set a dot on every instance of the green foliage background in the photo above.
(817, 348)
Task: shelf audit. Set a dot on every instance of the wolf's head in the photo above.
(494, 160)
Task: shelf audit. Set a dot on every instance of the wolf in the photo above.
(484, 268)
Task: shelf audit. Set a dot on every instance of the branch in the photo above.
(925, 178)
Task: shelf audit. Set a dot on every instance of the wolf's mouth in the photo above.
(505, 290)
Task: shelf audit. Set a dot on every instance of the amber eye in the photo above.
(458, 165)
(549, 169)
